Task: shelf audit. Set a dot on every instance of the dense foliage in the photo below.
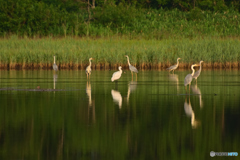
(147, 19)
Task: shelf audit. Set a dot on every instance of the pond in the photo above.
(61, 115)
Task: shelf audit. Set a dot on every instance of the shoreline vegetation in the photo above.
(152, 33)
(108, 53)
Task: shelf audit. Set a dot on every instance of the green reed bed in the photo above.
(108, 53)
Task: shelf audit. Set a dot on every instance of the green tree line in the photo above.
(110, 17)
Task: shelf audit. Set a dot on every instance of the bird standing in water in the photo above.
(55, 67)
(88, 69)
(174, 67)
(197, 74)
(117, 75)
(188, 78)
(132, 68)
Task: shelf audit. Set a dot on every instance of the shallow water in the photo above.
(62, 116)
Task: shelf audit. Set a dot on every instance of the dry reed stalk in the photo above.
(107, 65)
(235, 64)
(159, 65)
(12, 65)
(209, 65)
(35, 65)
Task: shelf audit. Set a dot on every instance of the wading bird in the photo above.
(188, 78)
(117, 75)
(88, 69)
(172, 68)
(197, 74)
(132, 68)
(55, 67)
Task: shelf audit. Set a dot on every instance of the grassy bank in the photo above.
(109, 53)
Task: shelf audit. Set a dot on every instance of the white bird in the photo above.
(132, 68)
(188, 78)
(197, 74)
(189, 112)
(55, 67)
(117, 75)
(172, 68)
(88, 69)
(117, 98)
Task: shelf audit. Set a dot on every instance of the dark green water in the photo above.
(152, 118)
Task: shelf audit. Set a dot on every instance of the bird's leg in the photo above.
(136, 76)
(132, 75)
(189, 88)
(116, 86)
(186, 88)
(196, 81)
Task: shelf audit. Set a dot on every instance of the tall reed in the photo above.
(74, 53)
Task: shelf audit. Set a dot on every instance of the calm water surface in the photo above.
(151, 118)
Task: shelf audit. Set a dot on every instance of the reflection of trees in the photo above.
(144, 130)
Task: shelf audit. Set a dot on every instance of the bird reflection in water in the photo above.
(189, 112)
(55, 77)
(88, 91)
(132, 86)
(197, 91)
(174, 78)
(117, 98)
(91, 106)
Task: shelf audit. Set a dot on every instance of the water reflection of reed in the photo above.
(117, 98)
(189, 112)
(196, 90)
(132, 86)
